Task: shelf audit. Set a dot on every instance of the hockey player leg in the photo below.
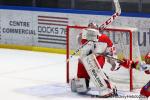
(79, 85)
(97, 76)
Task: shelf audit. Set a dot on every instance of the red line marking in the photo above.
(53, 17)
(52, 24)
(52, 20)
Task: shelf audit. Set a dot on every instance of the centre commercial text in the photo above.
(25, 28)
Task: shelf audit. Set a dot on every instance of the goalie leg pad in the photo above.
(97, 75)
(79, 85)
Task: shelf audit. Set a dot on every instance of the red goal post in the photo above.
(121, 30)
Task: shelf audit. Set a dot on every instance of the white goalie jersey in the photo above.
(94, 44)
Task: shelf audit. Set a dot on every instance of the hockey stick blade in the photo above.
(97, 96)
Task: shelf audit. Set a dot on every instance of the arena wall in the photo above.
(44, 29)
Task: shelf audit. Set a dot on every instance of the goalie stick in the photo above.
(118, 60)
(77, 50)
(104, 25)
(113, 17)
(111, 57)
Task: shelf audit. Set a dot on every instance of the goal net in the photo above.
(126, 43)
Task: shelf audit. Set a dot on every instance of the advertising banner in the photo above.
(48, 29)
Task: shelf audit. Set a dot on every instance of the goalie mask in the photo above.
(93, 25)
(91, 33)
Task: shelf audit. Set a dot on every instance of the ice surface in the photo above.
(26, 75)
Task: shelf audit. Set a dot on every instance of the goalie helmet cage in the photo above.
(125, 46)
